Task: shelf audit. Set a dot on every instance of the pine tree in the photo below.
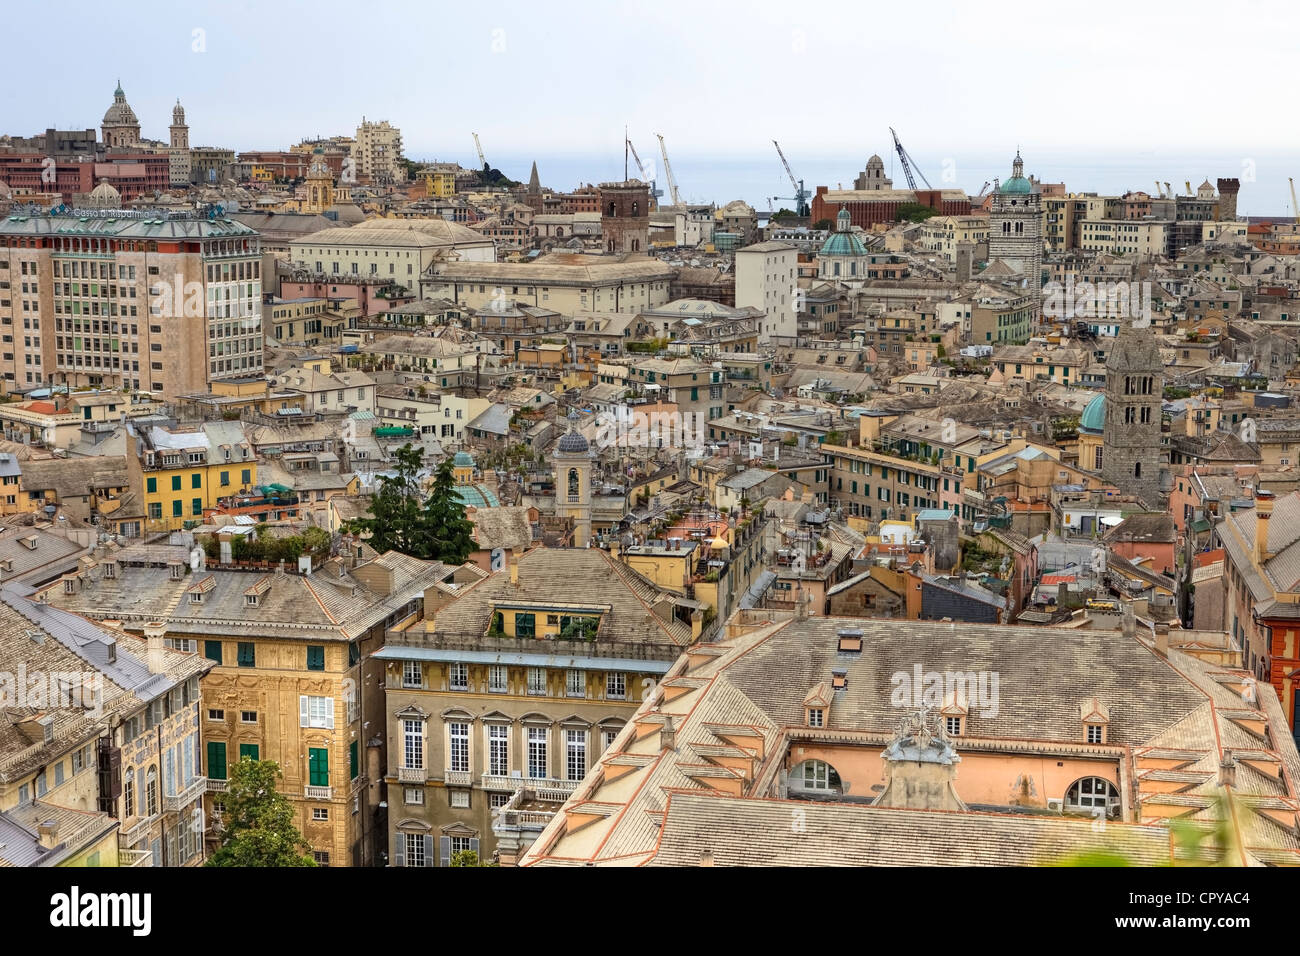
(450, 533)
(396, 520)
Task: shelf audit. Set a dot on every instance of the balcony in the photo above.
(217, 786)
(179, 801)
(456, 778)
(135, 858)
(546, 788)
(139, 831)
(412, 775)
(318, 793)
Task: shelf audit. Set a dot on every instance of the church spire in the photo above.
(534, 184)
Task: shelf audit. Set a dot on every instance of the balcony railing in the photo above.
(546, 788)
(217, 786)
(135, 857)
(136, 833)
(456, 778)
(181, 800)
(318, 793)
(412, 775)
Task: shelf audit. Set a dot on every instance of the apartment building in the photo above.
(1123, 236)
(306, 321)
(377, 153)
(166, 305)
(287, 682)
(180, 472)
(104, 768)
(521, 681)
(690, 385)
(943, 234)
(766, 279)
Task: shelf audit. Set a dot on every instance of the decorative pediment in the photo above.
(412, 712)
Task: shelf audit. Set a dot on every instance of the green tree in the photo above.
(914, 212)
(258, 824)
(396, 521)
(468, 858)
(449, 532)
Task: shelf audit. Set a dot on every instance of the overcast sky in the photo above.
(716, 78)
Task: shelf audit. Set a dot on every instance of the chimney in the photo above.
(697, 624)
(514, 568)
(1263, 512)
(614, 548)
(706, 858)
(155, 657)
(1128, 622)
(668, 735)
(1227, 770)
(1162, 639)
(47, 834)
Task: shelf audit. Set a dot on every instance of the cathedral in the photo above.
(1015, 230)
(120, 126)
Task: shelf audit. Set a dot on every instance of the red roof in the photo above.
(40, 408)
(1050, 579)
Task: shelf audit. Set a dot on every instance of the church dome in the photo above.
(572, 443)
(842, 242)
(1093, 419)
(1016, 184)
(104, 196)
(463, 459)
(120, 113)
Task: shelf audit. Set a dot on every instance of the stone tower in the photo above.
(625, 216)
(320, 184)
(179, 148)
(1015, 230)
(1132, 457)
(1228, 189)
(873, 177)
(573, 484)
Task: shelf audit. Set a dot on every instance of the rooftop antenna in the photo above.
(624, 152)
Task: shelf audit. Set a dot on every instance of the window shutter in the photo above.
(329, 714)
(399, 850)
(444, 851)
(428, 851)
(473, 847)
(304, 716)
(353, 761)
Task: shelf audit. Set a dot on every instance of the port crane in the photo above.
(1295, 210)
(668, 171)
(477, 145)
(655, 192)
(908, 164)
(801, 195)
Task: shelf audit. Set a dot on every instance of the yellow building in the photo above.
(287, 682)
(179, 473)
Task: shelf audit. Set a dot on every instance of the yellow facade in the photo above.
(176, 495)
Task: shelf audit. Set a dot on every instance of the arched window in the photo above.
(559, 232)
(815, 776)
(151, 792)
(1091, 792)
(573, 483)
(610, 213)
(636, 208)
(128, 793)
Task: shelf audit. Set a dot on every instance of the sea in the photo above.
(761, 181)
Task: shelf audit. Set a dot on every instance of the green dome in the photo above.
(843, 244)
(1016, 184)
(1093, 419)
(463, 459)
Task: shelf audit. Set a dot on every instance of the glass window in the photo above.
(458, 752)
(537, 765)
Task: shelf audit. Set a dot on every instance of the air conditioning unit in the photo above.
(1057, 805)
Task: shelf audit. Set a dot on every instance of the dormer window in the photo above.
(839, 679)
(816, 717)
(1096, 733)
(251, 599)
(110, 569)
(1095, 719)
(196, 597)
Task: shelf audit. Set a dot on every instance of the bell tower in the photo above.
(573, 484)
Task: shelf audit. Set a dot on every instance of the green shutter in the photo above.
(176, 482)
(247, 655)
(152, 485)
(249, 751)
(353, 762)
(196, 480)
(247, 476)
(212, 650)
(176, 508)
(318, 766)
(315, 658)
(216, 760)
(198, 506)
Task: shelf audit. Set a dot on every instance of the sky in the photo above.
(1087, 91)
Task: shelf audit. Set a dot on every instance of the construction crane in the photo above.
(668, 171)
(908, 164)
(801, 195)
(477, 145)
(655, 193)
(1295, 210)
(983, 190)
